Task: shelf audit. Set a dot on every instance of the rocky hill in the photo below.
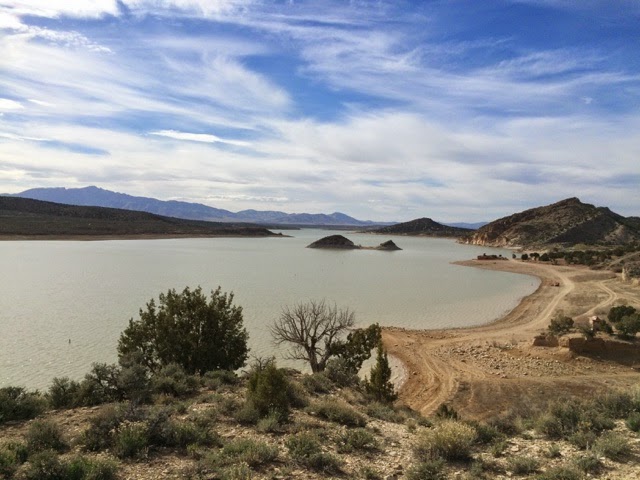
(423, 226)
(334, 241)
(24, 217)
(565, 223)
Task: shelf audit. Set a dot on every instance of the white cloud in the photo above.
(9, 105)
(57, 8)
(198, 137)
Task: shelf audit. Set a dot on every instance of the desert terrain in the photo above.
(494, 369)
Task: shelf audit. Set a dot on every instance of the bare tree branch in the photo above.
(312, 329)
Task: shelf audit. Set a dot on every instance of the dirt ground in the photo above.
(493, 369)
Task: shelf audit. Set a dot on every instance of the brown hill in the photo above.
(24, 217)
(424, 227)
(333, 241)
(565, 223)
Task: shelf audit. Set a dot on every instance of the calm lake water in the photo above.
(63, 304)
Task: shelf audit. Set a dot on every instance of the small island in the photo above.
(343, 243)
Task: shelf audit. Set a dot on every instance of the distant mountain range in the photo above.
(565, 223)
(423, 227)
(94, 196)
(28, 218)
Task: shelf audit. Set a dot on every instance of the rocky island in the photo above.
(343, 243)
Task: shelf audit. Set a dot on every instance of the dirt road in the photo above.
(483, 371)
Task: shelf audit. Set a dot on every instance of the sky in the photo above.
(384, 110)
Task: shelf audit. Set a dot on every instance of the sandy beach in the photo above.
(491, 369)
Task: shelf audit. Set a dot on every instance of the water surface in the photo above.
(63, 304)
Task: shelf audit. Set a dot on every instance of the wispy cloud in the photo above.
(198, 137)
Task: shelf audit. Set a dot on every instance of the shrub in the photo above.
(370, 473)
(384, 412)
(560, 325)
(269, 424)
(358, 439)
(99, 386)
(613, 446)
(248, 414)
(523, 465)
(83, 468)
(633, 422)
(12, 455)
(172, 380)
(18, 404)
(340, 372)
(583, 439)
(268, 389)
(427, 470)
(45, 435)
(486, 433)
(303, 445)
(588, 463)
(449, 439)
(98, 436)
(131, 440)
(616, 314)
(252, 452)
(297, 395)
(446, 411)
(339, 413)
(186, 328)
(45, 465)
(561, 472)
(317, 383)
(615, 404)
(215, 378)
(379, 384)
(324, 462)
(63, 392)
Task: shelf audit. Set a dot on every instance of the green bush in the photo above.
(172, 380)
(63, 393)
(187, 328)
(384, 412)
(325, 463)
(616, 314)
(131, 440)
(523, 465)
(98, 436)
(633, 422)
(303, 445)
(427, 470)
(213, 379)
(613, 446)
(553, 451)
(369, 473)
(254, 453)
(248, 414)
(47, 465)
(340, 372)
(379, 385)
(561, 472)
(449, 439)
(560, 325)
(583, 439)
(269, 424)
(99, 386)
(268, 389)
(357, 439)
(12, 455)
(45, 435)
(18, 404)
(317, 383)
(446, 411)
(338, 412)
(588, 463)
(485, 433)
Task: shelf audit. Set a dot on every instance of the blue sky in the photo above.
(384, 110)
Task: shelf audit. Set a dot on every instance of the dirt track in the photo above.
(487, 370)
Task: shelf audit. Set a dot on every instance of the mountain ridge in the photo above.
(99, 197)
(422, 227)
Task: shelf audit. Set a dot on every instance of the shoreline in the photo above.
(142, 236)
(489, 368)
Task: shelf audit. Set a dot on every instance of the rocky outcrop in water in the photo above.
(334, 241)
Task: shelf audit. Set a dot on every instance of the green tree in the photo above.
(629, 326)
(616, 314)
(313, 331)
(190, 330)
(268, 389)
(561, 324)
(524, 257)
(379, 384)
(358, 346)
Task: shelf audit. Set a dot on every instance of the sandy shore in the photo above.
(485, 370)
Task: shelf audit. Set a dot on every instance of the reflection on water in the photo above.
(63, 304)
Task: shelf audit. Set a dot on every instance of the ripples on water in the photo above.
(63, 304)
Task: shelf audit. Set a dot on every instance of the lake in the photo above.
(63, 304)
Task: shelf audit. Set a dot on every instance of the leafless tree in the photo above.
(312, 329)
